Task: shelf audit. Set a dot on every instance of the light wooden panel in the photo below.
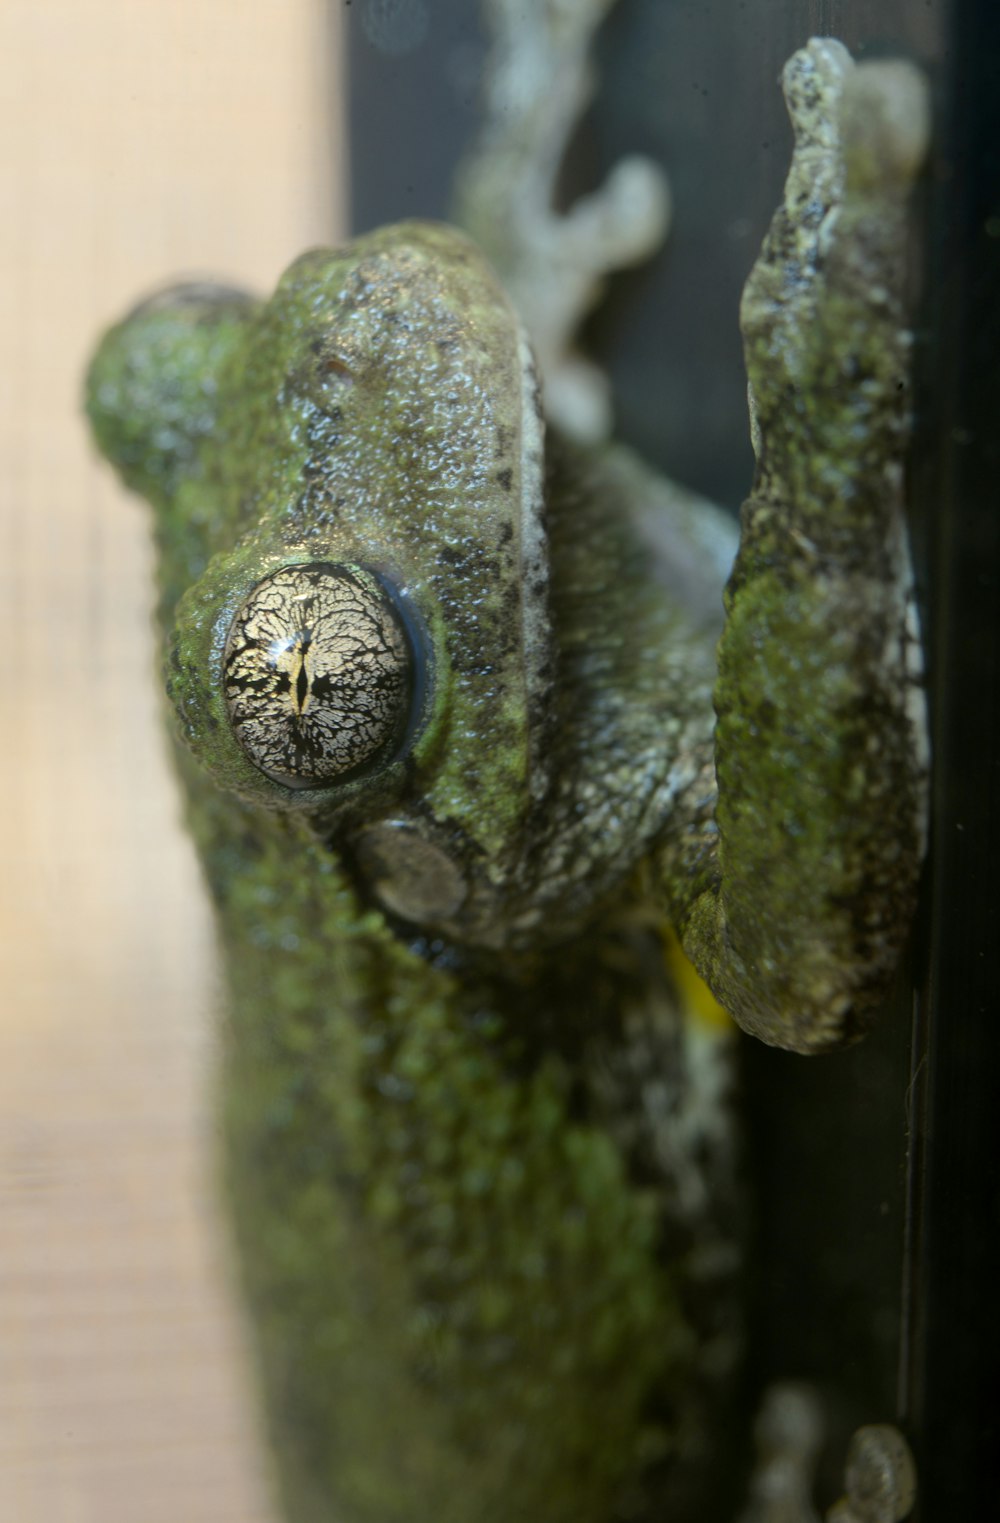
(137, 141)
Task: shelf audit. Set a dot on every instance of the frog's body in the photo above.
(491, 1256)
(483, 1138)
(478, 1149)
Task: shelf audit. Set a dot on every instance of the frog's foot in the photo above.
(788, 1435)
(880, 1477)
(538, 83)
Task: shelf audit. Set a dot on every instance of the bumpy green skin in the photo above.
(458, 1296)
(453, 1237)
(481, 1178)
(820, 753)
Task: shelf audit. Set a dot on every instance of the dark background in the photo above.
(879, 1214)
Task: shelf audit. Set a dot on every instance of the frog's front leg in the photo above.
(796, 914)
(538, 82)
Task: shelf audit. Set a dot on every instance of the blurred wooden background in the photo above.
(136, 142)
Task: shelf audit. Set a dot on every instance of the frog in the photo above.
(518, 780)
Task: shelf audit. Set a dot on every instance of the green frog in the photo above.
(503, 819)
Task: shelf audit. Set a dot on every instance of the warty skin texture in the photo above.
(481, 1174)
(451, 1224)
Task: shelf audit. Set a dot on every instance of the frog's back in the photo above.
(487, 1215)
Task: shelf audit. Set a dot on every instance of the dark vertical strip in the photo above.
(952, 1376)
(412, 104)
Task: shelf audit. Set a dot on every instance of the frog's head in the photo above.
(348, 487)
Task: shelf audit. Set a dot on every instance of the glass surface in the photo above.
(877, 1233)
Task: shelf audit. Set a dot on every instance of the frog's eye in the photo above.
(318, 674)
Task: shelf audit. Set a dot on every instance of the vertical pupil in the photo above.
(318, 673)
(302, 680)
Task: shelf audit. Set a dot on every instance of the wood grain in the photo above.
(136, 142)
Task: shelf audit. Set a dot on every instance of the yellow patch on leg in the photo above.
(698, 1000)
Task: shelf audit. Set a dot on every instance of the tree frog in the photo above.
(490, 796)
